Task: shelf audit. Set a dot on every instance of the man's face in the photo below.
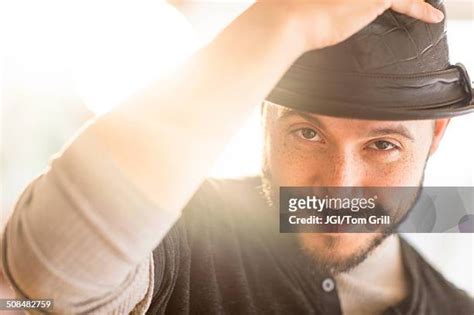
(303, 149)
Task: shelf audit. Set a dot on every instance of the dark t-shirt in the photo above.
(225, 255)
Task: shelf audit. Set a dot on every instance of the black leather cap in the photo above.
(396, 68)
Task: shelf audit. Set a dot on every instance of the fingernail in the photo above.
(439, 16)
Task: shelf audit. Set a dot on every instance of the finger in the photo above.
(418, 9)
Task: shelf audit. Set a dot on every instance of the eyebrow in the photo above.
(396, 129)
(291, 112)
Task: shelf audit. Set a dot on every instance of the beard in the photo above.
(325, 254)
(338, 252)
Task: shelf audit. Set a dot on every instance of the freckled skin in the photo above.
(344, 152)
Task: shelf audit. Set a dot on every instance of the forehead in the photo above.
(280, 116)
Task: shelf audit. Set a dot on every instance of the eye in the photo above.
(382, 145)
(308, 134)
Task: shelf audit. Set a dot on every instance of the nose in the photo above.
(343, 170)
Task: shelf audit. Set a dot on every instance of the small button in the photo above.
(328, 285)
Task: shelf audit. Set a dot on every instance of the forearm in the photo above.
(167, 138)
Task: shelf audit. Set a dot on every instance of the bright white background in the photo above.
(64, 60)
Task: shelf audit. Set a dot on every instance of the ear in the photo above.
(440, 126)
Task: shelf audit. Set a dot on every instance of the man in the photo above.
(116, 225)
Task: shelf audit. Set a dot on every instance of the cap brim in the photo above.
(334, 109)
(439, 94)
